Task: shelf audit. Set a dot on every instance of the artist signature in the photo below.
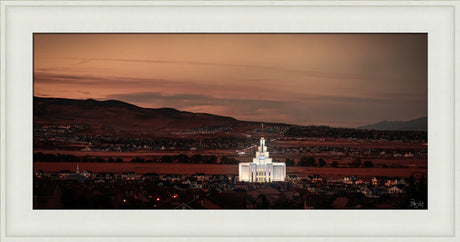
(418, 204)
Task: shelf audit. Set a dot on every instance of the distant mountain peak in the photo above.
(419, 124)
(122, 115)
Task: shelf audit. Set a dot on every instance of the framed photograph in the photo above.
(229, 120)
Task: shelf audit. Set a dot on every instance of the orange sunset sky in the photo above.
(341, 80)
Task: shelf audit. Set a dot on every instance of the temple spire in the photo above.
(262, 168)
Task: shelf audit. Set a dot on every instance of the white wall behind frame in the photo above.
(22, 21)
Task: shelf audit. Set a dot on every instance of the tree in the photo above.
(290, 162)
(307, 161)
(137, 160)
(321, 162)
(227, 160)
(423, 191)
(85, 158)
(262, 202)
(368, 164)
(210, 159)
(196, 159)
(283, 202)
(411, 187)
(182, 158)
(356, 163)
(99, 160)
(166, 159)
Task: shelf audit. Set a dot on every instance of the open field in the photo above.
(395, 166)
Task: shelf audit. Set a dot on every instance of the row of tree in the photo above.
(49, 157)
(180, 158)
(308, 161)
(329, 132)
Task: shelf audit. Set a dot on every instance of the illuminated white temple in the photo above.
(262, 169)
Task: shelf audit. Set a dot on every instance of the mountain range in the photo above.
(118, 115)
(419, 124)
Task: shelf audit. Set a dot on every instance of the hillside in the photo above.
(121, 116)
(419, 124)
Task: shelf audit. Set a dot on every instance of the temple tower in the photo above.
(262, 168)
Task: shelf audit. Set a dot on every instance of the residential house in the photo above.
(130, 175)
(396, 189)
(391, 182)
(374, 181)
(38, 173)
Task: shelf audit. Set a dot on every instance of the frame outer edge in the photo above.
(5, 4)
(456, 110)
(2, 121)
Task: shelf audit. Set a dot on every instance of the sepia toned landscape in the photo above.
(164, 121)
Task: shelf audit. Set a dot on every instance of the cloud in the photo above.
(85, 79)
(253, 100)
(243, 109)
(310, 73)
(116, 84)
(190, 101)
(295, 78)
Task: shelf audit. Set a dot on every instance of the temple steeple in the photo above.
(262, 168)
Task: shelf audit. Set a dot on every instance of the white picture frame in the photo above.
(20, 19)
